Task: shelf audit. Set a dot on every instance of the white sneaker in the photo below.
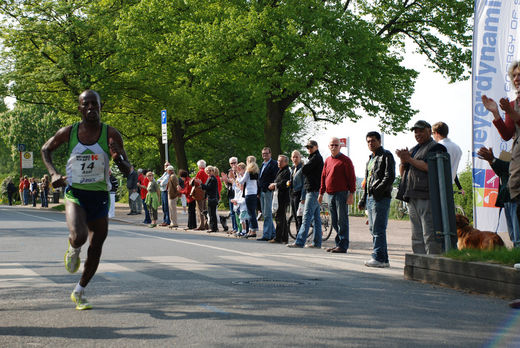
(72, 260)
(377, 264)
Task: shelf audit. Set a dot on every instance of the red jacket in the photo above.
(506, 129)
(187, 189)
(143, 180)
(202, 176)
(338, 175)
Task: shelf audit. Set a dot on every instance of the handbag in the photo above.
(197, 193)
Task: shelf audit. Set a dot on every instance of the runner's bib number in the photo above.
(87, 169)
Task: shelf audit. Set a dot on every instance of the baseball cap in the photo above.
(421, 124)
(311, 143)
(169, 168)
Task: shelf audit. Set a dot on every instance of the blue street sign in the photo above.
(21, 147)
(163, 116)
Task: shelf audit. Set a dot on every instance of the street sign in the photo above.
(164, 127)
(343, 142)
(163, 116)
(21, 147)
(27, 159)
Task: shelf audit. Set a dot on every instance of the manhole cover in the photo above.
(271, 282)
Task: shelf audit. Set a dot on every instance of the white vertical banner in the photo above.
(495, 46)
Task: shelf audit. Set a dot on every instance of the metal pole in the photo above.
(444, 201)
(166, 151)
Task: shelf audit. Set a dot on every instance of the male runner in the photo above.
(91, 145)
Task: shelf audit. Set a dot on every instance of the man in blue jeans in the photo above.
(379, 179)
(268, 172)
(338, 180)
(311, 210)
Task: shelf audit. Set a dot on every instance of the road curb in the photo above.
(485, 278)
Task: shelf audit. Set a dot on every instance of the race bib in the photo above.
(87, 169)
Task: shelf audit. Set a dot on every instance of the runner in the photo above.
(91, 145)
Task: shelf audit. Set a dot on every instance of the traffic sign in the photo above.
(163, 116)
(27, 160)
(21, 147)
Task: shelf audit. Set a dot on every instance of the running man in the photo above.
(91, 145)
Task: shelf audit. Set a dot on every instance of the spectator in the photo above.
(377, 194)
(44, 194)
(142, 184)
(211, 188)
(249, 186)
(281, 183)
(201, 203)
(11, 189)
(133, 195)
(26, 190)
(265, 178)
(311, 211)
(440, 132)
(173, 195)
(501, 168)
(34, 191)
(229, 181)
(338, 180)
(414, 188)
(297, 189)
(186, 190)
(163, 184)
(152, 198)
(184, 203)
(113, 190)
(241, 211)
(20, 190)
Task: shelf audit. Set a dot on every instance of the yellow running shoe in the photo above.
(80, 300)
(72, 260)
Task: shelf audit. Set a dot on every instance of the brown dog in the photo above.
(471, 238)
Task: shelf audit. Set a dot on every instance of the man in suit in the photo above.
(267, 175)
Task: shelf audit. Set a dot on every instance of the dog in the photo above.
(471, 238)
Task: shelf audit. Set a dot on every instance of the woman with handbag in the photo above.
(186, 190)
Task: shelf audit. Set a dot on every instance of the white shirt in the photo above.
(251, 185)
(455, 155)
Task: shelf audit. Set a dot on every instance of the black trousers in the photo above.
(282, 234)
(295, 202)
(212, 207)
(192, 218)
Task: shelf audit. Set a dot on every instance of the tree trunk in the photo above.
(179, 144)
(273, 127)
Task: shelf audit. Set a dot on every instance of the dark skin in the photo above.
(89, 131)
(422, 135)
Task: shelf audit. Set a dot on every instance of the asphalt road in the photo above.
(159, 288)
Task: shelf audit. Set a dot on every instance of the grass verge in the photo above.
(502, 256)
(60, 207)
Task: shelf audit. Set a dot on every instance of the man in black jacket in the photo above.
(280, 183)
(266, 176)
(379, 178)
(311, 211)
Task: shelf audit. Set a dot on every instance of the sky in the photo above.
(434, 98)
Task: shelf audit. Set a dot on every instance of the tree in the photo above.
(344, 59)
(31, 125)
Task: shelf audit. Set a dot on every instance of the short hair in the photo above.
(233, 159)
(183, 173)
(201, 163)
(89, 91)
(285, 158)
(512, 68)
(267, 149)
(441, 128)
(374, 134)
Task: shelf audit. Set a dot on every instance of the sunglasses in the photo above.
(333, 145)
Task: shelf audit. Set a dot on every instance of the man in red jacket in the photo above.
(338, 180)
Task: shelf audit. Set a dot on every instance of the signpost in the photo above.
(345, 142)
(21, 148)
(164, 129)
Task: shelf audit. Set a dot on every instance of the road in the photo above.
(158, 288)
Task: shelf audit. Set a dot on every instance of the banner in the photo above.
(495, 47)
